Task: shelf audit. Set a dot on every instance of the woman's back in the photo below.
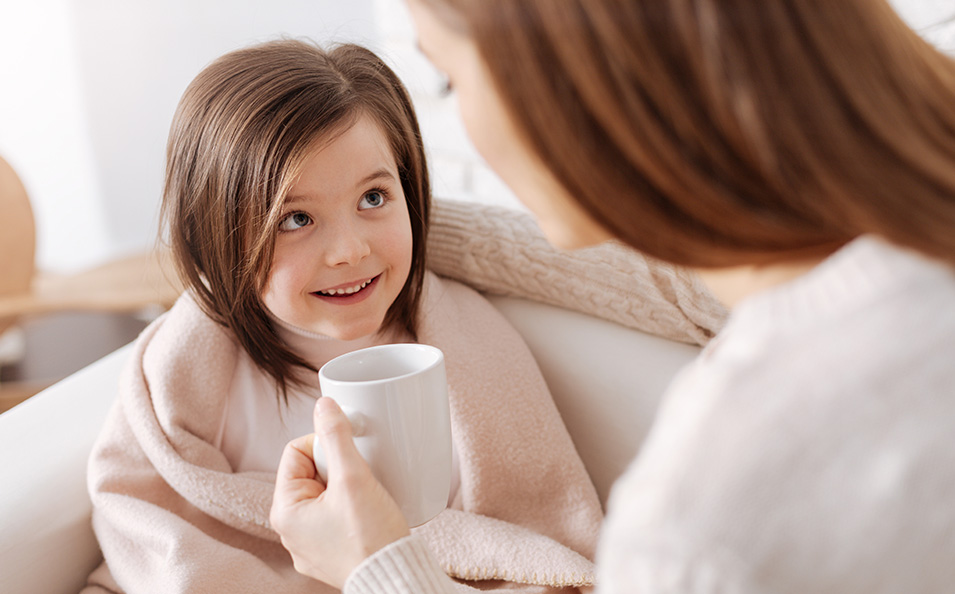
(810, 448)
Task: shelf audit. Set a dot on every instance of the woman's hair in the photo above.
(713, 133)
(241, 134)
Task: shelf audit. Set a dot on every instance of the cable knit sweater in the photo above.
(808, 449)
(502, 251)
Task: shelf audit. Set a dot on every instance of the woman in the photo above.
(800, 154)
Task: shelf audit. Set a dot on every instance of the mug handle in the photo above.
(358, 427)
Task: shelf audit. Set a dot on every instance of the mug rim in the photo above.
(381, 347)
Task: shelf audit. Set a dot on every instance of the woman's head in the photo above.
(717, 132)
(248, 130)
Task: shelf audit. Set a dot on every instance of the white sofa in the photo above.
(606, 380)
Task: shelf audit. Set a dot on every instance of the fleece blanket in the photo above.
(171, 516)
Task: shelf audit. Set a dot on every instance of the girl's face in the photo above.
(494, 135)
(344, 245)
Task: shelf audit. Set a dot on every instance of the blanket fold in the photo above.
(171, 516)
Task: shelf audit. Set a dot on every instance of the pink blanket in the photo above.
(171, 516)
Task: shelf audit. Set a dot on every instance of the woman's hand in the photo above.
(330, 529)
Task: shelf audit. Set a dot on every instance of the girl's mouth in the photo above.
(348, 291)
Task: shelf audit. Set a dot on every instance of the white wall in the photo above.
(457, 170)
(88, 89)
(43, 131)
(933, 19)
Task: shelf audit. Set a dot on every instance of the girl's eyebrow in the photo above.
(293, 200)
(376, 175)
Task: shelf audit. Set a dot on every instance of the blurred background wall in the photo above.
(88, 89)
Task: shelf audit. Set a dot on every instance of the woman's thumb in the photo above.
(334, 434)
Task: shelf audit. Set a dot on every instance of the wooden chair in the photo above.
(129, 284)
(17, 241)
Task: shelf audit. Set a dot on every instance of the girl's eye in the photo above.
(295, 220)
(373, 199)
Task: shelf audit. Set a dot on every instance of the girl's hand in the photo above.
(331, 529)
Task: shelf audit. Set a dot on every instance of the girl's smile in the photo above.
(348, 293)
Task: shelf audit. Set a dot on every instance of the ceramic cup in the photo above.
(396, 397)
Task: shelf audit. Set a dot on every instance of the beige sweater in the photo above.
(810, 448)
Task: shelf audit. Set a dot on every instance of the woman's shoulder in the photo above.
(796, 460)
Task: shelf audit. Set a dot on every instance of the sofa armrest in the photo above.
(46, 541)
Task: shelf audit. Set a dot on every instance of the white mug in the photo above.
(396, 397)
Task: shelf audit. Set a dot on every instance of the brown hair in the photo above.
(723, 132)
(241, 133)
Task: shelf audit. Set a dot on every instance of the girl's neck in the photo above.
(318, 349)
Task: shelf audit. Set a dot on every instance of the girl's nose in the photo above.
(345, 246)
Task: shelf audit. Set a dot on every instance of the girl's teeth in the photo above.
(347, 291)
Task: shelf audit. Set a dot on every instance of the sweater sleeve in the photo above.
(502, 251)
(405, 566)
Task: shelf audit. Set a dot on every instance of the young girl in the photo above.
(297, 205)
